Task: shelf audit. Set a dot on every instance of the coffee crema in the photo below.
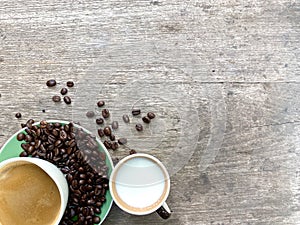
(28, 195)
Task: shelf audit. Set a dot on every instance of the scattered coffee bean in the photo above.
(126, 118)
(136, 112)
(105, 113)
(70, 83)
(146, 119)
(107, 144)
(100, 132)
(99, 121)
(23, 154)
(114, 145)
(51, 83)
(132, 151)
(139, 127)
(122, 141)
(64, 91)
(18, 115)
(100, 103)
(56, 98)
(67, 100)
(112, 137)
(44, 110)
(20, 137)
(151, 115)
(107, 131)
(90, 114)
(115, 125)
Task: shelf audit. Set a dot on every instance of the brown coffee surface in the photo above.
(28, 196)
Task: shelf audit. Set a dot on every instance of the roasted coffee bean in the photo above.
(51, 83)
(64, 91)
(100, 103)
(96, 219)
(114, 145)
(67, 100)
(90, 114)
(139, 127)
(56, 98)
(151, 115)
(107, 144)
(136, 112)
(63, 135)
(20, 137)
(126, 118)
(23, 154)
(112, 137)
(70, 83)
(107, 131)
(122, 141)
(99, 121)
(18, 115)
(115, 125)
(100, 132)
(132, 151)
(146, 119)
(105, 113)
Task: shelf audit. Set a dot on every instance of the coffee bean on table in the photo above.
(146, 119)
(132, 151)
(136, 112)
(107, 131)
(90, 114)
(67, 100)
(139, 127)
(18, 115)
(126, 118)
(122, 141)
(105, 113)
(64, 91)
(115, 125)
(100, 132)
(100, 103)
(151, 115)
(112, 137)
(99, 121)
(70, 83)
(56, 98)
(51, 83)
(114, 145)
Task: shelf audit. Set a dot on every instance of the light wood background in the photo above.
(222, 76)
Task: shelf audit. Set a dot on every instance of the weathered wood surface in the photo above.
(224, 72)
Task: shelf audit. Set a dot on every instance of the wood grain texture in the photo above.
(231, 66)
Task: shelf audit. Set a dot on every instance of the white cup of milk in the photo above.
(140, 185)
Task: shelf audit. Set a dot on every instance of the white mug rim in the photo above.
(120, 163)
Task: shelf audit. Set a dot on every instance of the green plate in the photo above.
(12, 148)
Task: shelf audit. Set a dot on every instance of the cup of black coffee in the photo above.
(32, 192)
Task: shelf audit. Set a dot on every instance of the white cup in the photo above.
(53, 172)
(140, 185)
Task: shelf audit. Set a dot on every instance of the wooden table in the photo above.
(222, 77)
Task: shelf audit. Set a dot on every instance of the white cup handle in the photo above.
(164, 211)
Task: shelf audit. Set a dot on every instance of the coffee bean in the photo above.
(100, 132)
(136, 112)
(96, 219)
(107, 131)
(107, 144)
(115, 125)
(23, 154)
(139, 127)
(151, 115)
(122, 141)
(112, 137)
(56, 98)
(51, 83)
(105, 113)
(18, 115)
(90, 114)
(100, 103)
(99, 121)
(70, 83)
(20, 137)
(67, 100)
(126, 118)
(64, 91)
(146, 119)
(132, 151)
(114, 145)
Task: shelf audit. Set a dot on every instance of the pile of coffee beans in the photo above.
(77, 155)
(63, 91)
